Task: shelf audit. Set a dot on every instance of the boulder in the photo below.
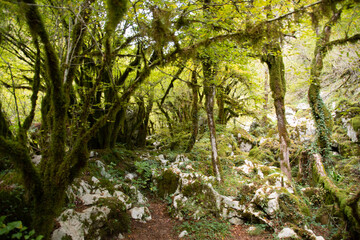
(288, 233)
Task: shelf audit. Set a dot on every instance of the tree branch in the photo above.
(343, 41)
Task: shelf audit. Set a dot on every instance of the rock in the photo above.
(273, 204)
(181, 158)
(94, 180)
(287, 233)
(162, 159)
(103, 172)
(36, 159)
(236, 221)
(140, 213)
(93, 154)
(131, 176)
(72, 223)
(183, 234)
(352, 134)
(245, 147)
(120, 236)
(138, 195)
(91, 198)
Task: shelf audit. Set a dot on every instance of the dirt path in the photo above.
(161, 226)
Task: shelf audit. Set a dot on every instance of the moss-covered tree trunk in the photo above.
(194, 112)
(220, 95)
(348, 203)
(320, 113)
(143, 127)
(275, 63)
(4, 126)
(46, 188)
(209, 90)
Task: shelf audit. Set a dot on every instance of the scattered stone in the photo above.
(93, 154)
(95, 180)
(36, 159)
(140, 213)
(103, 171)
(183, 234)
(162, 159)
(236, 221)
(287, 233)
(131, 176)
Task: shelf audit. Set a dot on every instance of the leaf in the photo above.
(17, 235)
(16, 224)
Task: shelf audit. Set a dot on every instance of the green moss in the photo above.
(117, 221)
(167, 183)
(355, 122)
(292, 209)
(263, 154)
(246, 193)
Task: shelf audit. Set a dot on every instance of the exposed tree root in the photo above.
(348, 204)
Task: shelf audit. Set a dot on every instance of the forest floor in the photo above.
(162, 226)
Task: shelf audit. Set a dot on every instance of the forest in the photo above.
(231, 114)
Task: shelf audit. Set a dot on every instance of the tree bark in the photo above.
(348, 204)
(319, 111)
(209, 89)
(143, 128)
(275, 63)
(194, 112)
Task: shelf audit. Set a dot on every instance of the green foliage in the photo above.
(144, 169)
(207, 228)
(16, 230)
(13, 204)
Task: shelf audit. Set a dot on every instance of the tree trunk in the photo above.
(194, 112)
(143, 128)
(209, 89)
(276, 67)
(320, 113)
(348, 204)
(221, 106)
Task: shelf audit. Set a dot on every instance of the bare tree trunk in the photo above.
(276, 67)
(209, 89)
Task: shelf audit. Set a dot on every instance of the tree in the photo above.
(320, 113)
(274, 61)
(59, 167)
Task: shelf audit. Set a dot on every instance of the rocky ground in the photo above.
(162, 226)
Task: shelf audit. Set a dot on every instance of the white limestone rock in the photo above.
(236, 221)
(162, 159)
(183, 234)
(76, 224)
(36, 159)
(287, 233)
(103, 171)
(140, 213)
(130, 176)
(245, 146)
